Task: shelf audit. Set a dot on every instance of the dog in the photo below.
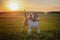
(32, 21)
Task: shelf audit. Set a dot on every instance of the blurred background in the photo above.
(12, 17)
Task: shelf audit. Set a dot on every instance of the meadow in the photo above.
(10, 28)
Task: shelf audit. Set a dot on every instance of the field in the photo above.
(10, 28)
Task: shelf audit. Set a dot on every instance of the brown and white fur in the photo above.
(32, 22)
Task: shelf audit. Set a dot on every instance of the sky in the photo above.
(38, 5)
(9, 5)
(43, 5)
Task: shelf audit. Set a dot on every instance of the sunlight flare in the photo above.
(15, 5)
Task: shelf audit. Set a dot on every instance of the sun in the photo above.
(13, 6)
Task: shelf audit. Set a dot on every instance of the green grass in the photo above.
(49, 25)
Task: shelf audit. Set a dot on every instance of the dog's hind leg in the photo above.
(24, 24)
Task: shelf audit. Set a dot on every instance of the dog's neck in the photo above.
(32, 16)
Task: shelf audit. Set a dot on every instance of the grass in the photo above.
(49, 26)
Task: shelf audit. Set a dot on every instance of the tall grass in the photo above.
(10, 28)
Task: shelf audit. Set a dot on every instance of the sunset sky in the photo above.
(31, 5)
